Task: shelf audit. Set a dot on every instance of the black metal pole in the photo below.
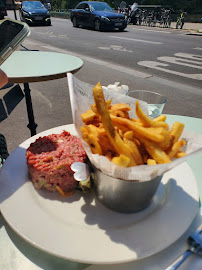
(32, 125)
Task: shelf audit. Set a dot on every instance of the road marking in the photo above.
(63, 36)
(131, 72)
(119, 68)
(42, 33)
(178, 61)
(198, 48)
(115, 47)
(138, 40)
(160, 66)
(105, 48)
(189, 55)
(149, 30)
(51, 34)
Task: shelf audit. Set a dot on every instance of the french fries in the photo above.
(110, 131)
(112, 134)
(147, 122)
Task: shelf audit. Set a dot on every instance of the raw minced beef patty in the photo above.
(49, 160)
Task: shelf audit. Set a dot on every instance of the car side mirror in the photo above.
(87, 9)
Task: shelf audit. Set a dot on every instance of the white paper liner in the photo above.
(121, 89)
(81, 97)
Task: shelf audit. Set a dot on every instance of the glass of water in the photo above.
(155, 101)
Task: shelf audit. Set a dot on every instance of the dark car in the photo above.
(34, 12)
(98, 15)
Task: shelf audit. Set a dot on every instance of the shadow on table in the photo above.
(114, 223)
(10, 100)
(10, 179)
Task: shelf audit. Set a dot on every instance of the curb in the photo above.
(194, 33)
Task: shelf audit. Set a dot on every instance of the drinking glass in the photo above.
(155, 101)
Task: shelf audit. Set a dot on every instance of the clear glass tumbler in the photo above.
(155, 101)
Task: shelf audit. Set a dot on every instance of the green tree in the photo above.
(190, 6)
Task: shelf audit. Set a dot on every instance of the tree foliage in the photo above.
(190, 6)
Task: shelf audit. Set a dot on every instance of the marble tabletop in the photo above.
(37, 66)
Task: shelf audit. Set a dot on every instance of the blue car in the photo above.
(34, 12)
(97, 15)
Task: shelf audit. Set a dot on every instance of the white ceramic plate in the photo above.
(79, 228)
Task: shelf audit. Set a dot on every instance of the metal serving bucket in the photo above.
(123, 195)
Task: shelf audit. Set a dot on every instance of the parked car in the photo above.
(34, 12)
(98, 15)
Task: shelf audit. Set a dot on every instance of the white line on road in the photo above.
(116, 48)
(180, 61)
(148, 30)
(189, 55)
(129, 71)
(62, 36)
(159, 66)
(138, 40)
(198, 48)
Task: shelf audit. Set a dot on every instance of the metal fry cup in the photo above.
(125, 196)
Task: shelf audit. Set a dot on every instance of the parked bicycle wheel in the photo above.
(169, 23)
(161, 22)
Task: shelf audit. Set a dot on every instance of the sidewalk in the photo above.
(192, 28)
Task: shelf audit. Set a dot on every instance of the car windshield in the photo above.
(32, 4)
(100, 6)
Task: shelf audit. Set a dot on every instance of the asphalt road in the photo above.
(131, 57)
(141, 48)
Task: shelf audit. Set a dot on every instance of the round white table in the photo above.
(34, 66)
(15, 253)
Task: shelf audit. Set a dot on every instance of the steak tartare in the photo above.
(49, 159)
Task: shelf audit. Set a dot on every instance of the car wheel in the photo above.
(97, 25)
(74, 21)
(121, 29)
